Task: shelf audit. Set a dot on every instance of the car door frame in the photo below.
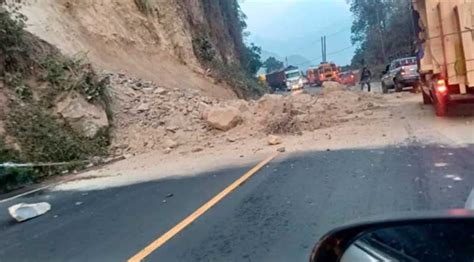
(393, 70)
(385, 76)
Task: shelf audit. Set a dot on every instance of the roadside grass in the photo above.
(145, 6)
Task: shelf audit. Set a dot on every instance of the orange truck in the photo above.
(324, 72)
(328, 72)
(445, 51)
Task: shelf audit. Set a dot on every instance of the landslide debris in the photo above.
(194, 120)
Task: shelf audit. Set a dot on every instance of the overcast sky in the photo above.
(294, 27)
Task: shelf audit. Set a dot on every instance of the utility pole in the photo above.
(323, 49)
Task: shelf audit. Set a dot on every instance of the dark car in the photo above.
(401, 73)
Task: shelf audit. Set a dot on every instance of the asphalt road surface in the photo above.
(278, 215)
(375, 87)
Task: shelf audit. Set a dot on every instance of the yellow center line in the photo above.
(200, 211)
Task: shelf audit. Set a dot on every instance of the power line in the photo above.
(344, 29)
(324, 28)
(347, 28)
(332, 53)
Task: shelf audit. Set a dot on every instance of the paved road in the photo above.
(276, 216)
(375, 87)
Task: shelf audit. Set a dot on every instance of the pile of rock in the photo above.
(149, 117)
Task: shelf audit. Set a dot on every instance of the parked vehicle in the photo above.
(328, 72)
(445, 52)
(399, 74)
(347, 78)
(276, 80)
(313, 76)
(295, 80)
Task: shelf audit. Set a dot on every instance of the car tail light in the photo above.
(441, 86)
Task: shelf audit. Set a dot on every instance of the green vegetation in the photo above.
(383, 31)
(272, 64)
(244, 85)
(43, 138)
(204, 49)
(39, 134)
(241, 81)
(145, 6)
(219, 46)
(11, 177)
(66, 74)
(13, 51)
(251, 59)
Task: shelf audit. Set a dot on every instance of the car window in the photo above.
(392, 66)
(408, 61)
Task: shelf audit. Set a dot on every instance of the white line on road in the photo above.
(470, 201)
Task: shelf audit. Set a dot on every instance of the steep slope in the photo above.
(155, 43)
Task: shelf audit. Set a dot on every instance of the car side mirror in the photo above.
(449, 237)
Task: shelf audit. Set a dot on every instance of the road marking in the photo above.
(200, 211)
(470, 201)
(26, 193)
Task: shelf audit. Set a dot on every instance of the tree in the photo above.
(251, 59)
(382, 31)
(272, 64)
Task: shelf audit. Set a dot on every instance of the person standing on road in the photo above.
(365, 77)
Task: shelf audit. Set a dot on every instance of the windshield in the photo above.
(408, 61)
(346, 74)
(293, 75)
(227, 130)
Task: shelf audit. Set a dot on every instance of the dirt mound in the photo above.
(330, 86)
(147, 116)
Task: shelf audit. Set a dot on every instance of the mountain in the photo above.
(266, 54)
(299, 61)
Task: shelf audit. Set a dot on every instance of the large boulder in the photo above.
(243, 106)
(85, 118)
(223, 118)
(271, 103)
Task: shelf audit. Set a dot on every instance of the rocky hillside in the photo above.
(163, 41)
(52, 108)
(163, 61)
